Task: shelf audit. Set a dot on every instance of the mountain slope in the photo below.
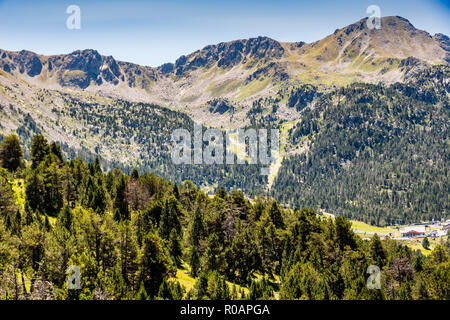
(347, 145)
(372, 152)
(242, 70)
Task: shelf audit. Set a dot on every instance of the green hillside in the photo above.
(373, 153)
(131, 237)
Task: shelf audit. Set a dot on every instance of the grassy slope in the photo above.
(414, 244)
(187, 281)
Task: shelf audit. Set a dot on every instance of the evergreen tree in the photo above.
(344, 234)
(11, 153)
(134, 174)
(47, 224)
(66, 218)
(34, 191)
(142, 293)
(377, 251)
(53, 199)
(120, 202)
(196, 228)
(7, 199)
(221, 193)
(97, 166)
(164, 291)
(175, 247)
(154, 263)
(275, 215)
(170, 218)
(212, 256)
(426, 243)
(194, 261)
(439, 255)
(39, 150)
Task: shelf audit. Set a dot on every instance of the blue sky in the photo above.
(155, 32)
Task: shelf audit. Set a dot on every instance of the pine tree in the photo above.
(426, 243)
(178, 291)
(134, 174)
(66, 218)
(120, 201)
(128, 252)
(175, 247)
(142, 293)
(196, 228)
(275, 215)
(221, 193)
(154, 263)
(55, 151)
(201, 286)
(211, 256)
(7, 199)
(439, 255)
(99, 200)
(170, 218)
(117, 215)
(47, 224)
(28, 214)
(176, 192)
(53, 197)
(164, 291)
(11, 153)
(377, 251)
(34, 191)
(194, 261)
(344, 234)
(39, 150)
(97, 166)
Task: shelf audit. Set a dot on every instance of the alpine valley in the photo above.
(363, 115)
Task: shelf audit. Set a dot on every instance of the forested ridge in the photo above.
(127, 135)
(374, 153)
(129, 234)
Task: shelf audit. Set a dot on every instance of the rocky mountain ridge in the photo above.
(241, 71)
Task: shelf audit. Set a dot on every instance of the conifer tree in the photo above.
(196, 228)
(120, 201)
(275, 215)
(39, 150)
(426, 243)
(194, 261)
(377, 251)
(170, 218)
(175, 247)
(11, 153)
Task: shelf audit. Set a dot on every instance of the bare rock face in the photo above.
(166, 68)
(79, 68)
(444, 42)
(230, 54)
(220, 106)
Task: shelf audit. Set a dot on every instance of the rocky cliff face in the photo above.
(444, 42)
(231, 54)
(21, 62)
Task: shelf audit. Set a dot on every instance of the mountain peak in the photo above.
(397, 38)
(389, 22)
(245, 68)
(228, 54)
